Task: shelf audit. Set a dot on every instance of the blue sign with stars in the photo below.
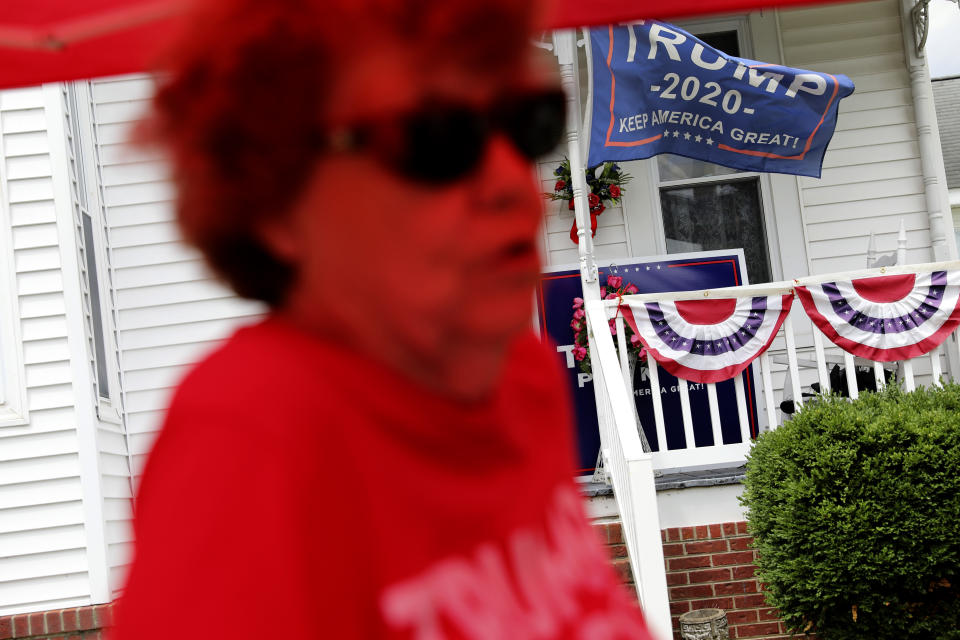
(679, 272)
(658, 89)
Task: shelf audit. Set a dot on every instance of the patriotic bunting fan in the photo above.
(886, 318)
(707, 340)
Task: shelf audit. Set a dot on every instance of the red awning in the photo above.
(51, 40)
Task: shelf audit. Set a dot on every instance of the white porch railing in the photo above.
(799, 358)
(630, 470)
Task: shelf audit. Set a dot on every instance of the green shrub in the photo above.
(855, 511)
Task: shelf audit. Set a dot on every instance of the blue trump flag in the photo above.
(658, 89)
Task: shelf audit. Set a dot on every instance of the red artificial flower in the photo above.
(614, 281)
(594, 200)
(614, 191)
(560, 185)
(631, 288)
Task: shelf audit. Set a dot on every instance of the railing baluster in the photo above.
(953, 362)
(792, 362)
(821, 360)
(742, 407)
(768, 391)
(714, 414)
(850, 366)
(956, 342)
(654, 374)
(936, 369)
(604, 417)
(623, 353)
(908, 382)
(685, 411)
(878, 376)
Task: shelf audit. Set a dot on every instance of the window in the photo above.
(95, 308)
(722, 215)
(91, 241)
(706, 206)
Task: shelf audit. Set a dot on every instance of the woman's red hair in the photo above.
(248, 87)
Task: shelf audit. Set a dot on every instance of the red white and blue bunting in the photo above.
(707, 340)
(886, 318)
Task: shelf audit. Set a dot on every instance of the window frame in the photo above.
(740, 24)
(109, 408)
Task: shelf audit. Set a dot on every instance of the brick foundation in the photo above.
(612, 535)
(712, 566)
(77, 623)
(708, 566)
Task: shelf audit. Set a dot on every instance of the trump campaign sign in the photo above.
(658, 89)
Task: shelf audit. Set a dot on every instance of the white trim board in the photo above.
(85, 411)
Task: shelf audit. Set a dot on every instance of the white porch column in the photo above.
(928, 138)
(565, 43)
(85, 411)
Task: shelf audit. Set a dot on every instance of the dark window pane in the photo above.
(726, 41)
(103, 386)
(718, 216)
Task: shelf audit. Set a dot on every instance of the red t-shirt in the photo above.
(298, 490)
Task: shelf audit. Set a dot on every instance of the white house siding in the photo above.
(117, 502)
(872, 176)
(43, 543)
(170, 311)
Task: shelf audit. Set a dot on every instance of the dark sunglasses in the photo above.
(443, 141)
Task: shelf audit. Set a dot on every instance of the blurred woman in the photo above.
(388, 454)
